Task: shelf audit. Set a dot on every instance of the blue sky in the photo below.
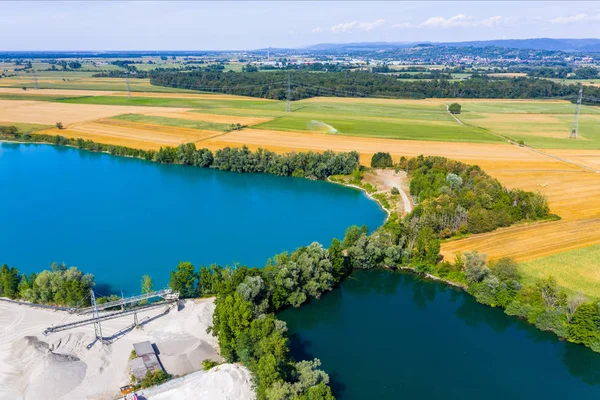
(195, 25)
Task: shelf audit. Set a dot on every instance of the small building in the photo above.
(146, 360)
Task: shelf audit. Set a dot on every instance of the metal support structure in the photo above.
(106, 317)
(575, 126)
(97, 326)
(127, 84)
(166, 294)
(288, 106)
(35, 80)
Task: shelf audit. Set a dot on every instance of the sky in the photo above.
(206, 25)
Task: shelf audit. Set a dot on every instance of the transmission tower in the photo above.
(127, 84)
(97, 327)
(35, 81)
(288, 106)
(575, 126)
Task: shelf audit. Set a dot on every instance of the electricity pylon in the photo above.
(575, 126)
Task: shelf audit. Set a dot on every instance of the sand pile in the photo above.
(224, 382)
(60, 366)
(43, 371)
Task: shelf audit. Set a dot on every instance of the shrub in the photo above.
(381, 160)
(208, 364)
(454, 108)
(59, 125)
(154, 378)
(395, 190)
(9, 130)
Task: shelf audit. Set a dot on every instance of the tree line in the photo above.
(57, 286)
(301, 164)
(272, 85)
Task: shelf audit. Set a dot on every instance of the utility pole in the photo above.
(288, 107)
(575, 126)
(97, 327)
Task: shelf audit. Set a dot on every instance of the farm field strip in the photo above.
(148, 136)
(575, 270)
(154, 120)
(43, 112)
(196, 116)
(531, 241)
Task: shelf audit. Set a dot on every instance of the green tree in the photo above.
(231, 317)
(454, 108)
(338, 260)
(183, 279)
(147, 286)
(585, 325)
(9, 281)
(381, 160)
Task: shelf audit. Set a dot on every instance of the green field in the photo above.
(177, 122)
(544, 125)
(355, 119)
(575, 270)
(400, 129)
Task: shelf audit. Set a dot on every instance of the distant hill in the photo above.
(584, 45)
(359, 46)
(571, 45)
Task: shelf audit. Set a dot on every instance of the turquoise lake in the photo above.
(120, 218)
(389, 335)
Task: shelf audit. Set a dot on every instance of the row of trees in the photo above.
(273, 85)
(58, 286)
(543, 303)
(302, 164)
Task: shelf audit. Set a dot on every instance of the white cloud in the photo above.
(356, 25)
(318, 29)
(441, 22)
(575, 18)
(458, 21)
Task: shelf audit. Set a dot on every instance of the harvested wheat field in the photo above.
(284, 141)
(45, 112)
(133, 134)
(527, 242)
(55, 92)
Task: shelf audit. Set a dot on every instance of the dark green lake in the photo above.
(120, 218)
(389, 335)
